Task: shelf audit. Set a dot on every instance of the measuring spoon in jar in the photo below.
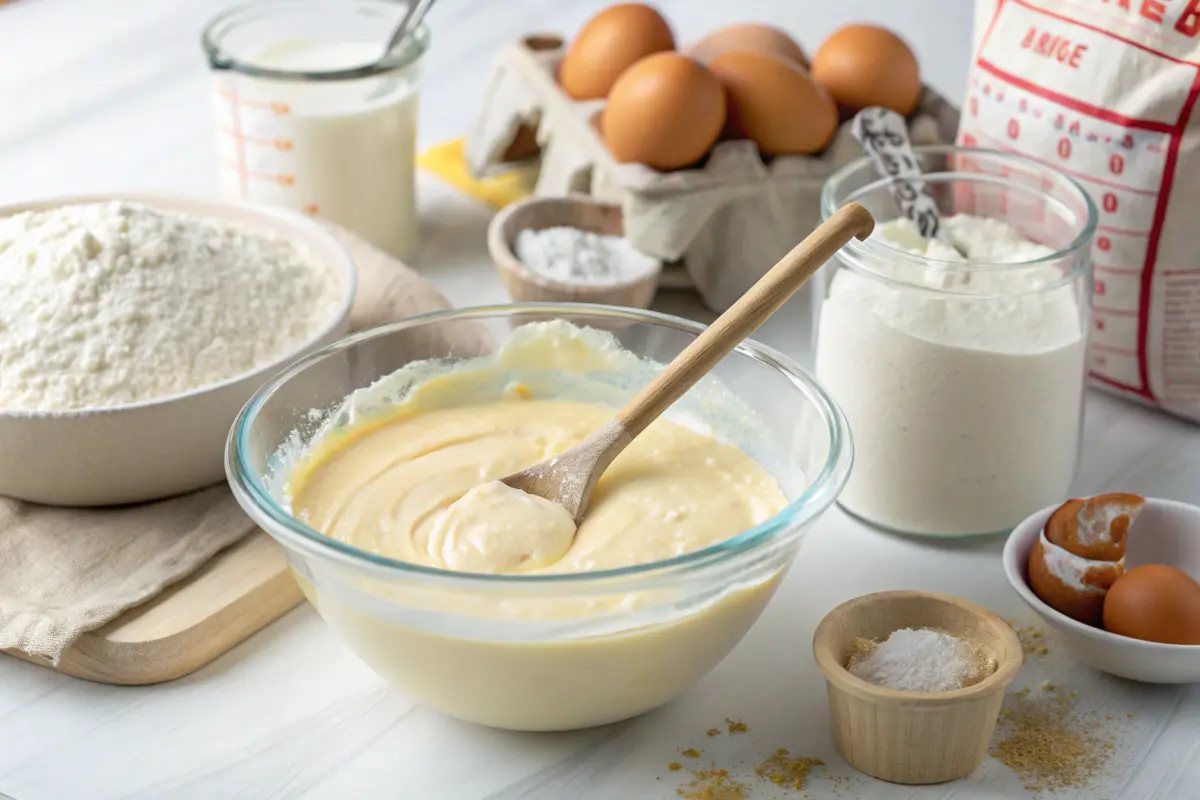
(883, 136)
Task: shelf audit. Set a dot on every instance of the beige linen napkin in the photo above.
(66, 571)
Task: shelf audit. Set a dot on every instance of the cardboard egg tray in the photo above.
(728, 221)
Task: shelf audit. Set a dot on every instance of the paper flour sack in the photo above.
(1105, 90)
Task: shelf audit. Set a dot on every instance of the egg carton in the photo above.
(728, 221)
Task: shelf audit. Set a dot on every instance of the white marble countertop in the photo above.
(97, 96)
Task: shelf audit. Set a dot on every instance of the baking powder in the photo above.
(570, 255)
(921, 660)
(965, 410)
(114, 303)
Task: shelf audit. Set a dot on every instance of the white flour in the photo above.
(569, 255)
(114, 303)
(965, 411)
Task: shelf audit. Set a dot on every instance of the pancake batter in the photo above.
(422, 487)
(407, 468)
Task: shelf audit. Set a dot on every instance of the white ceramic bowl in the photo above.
(1167, 532)
(159, 448)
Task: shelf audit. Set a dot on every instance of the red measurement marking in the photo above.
(1120, 351)
(1073, 104)
(1123, 231)
(240, 143)
(1114, 312)
(1101, 288)
(274, 177)
(1119, 270)
(1181, 272)
(1000, 145)
(1114, 383)
(282, 145)
(1104, 243)
(278, 108)
(1100, 324)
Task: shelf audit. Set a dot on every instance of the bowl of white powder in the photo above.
(570, 250)
(134, 327)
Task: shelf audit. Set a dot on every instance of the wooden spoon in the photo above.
(568, 479)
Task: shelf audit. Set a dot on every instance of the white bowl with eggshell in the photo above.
(1166, 532)
(158, 448)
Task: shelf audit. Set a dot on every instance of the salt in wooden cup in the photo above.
(913, 737)
(574, 211)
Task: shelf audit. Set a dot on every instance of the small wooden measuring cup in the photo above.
(913, 737)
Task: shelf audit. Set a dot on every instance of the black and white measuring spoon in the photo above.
(883, 135)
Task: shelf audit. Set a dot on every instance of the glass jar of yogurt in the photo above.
(960, 362)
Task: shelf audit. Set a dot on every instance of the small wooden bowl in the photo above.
(913, 737)
(576, 211)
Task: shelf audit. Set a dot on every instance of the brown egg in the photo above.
(1154, 603)
(865, 65)
(611, 42)
(752, 37)
(775, 104)
(665, 111)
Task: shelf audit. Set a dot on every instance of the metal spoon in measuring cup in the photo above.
(883, 135)
(417, 9)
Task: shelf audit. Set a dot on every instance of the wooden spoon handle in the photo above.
(742, 318)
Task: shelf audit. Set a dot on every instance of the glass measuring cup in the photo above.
(308, 115)
(963, 382)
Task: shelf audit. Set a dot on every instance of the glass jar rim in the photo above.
(814, 499)
(408, 53)
(873, 249)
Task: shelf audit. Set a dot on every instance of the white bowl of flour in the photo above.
(133, 328)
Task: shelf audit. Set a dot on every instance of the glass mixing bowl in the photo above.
(548, 652)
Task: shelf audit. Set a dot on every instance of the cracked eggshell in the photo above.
(1071, 584)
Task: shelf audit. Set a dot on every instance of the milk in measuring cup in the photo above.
(343, 150)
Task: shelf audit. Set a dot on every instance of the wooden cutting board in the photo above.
(229, 599)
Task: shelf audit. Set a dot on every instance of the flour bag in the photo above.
(1105, 90)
